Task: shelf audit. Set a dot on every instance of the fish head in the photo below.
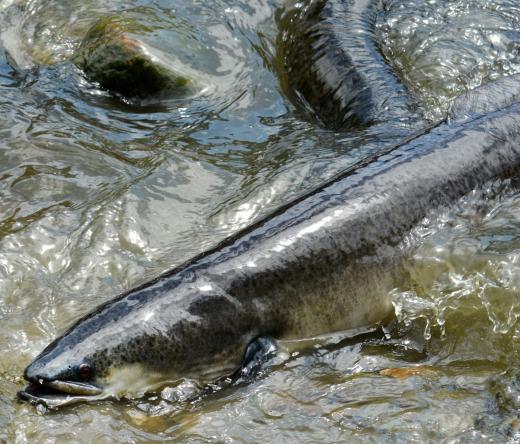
(74, 366)
(112, 352)
(63, 375)
(124, 349)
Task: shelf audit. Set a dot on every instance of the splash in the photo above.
(464, 276)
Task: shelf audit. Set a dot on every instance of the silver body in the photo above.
(322, 264)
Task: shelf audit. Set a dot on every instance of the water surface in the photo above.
(98, 196)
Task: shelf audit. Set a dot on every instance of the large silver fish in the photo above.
(321, 264)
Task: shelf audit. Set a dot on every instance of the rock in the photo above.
(111, 56)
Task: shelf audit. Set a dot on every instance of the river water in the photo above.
(99, 195)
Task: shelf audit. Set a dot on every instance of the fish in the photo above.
(323, 263)
(331, 68)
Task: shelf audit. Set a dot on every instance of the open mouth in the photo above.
(54, 394)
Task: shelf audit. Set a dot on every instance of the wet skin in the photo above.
(331, 66)
(323, 263)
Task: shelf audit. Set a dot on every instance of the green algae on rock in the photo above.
(111, 56)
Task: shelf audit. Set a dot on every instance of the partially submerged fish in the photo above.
(330, 64)
(323, 263)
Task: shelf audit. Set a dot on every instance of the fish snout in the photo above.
(33, 373)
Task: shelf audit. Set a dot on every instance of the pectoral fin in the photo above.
(257, 353)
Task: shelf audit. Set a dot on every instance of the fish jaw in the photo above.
(55, 394)
(124, 382)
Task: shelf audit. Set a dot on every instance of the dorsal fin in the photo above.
(486, 98)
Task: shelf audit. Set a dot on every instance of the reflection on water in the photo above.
(98, 196)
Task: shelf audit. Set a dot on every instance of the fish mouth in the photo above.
(54, 394)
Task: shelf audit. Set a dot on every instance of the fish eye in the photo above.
(84, 371)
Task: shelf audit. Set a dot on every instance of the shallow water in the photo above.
(442, 48)
(100, 195)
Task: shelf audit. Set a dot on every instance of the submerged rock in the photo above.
(122, 64)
